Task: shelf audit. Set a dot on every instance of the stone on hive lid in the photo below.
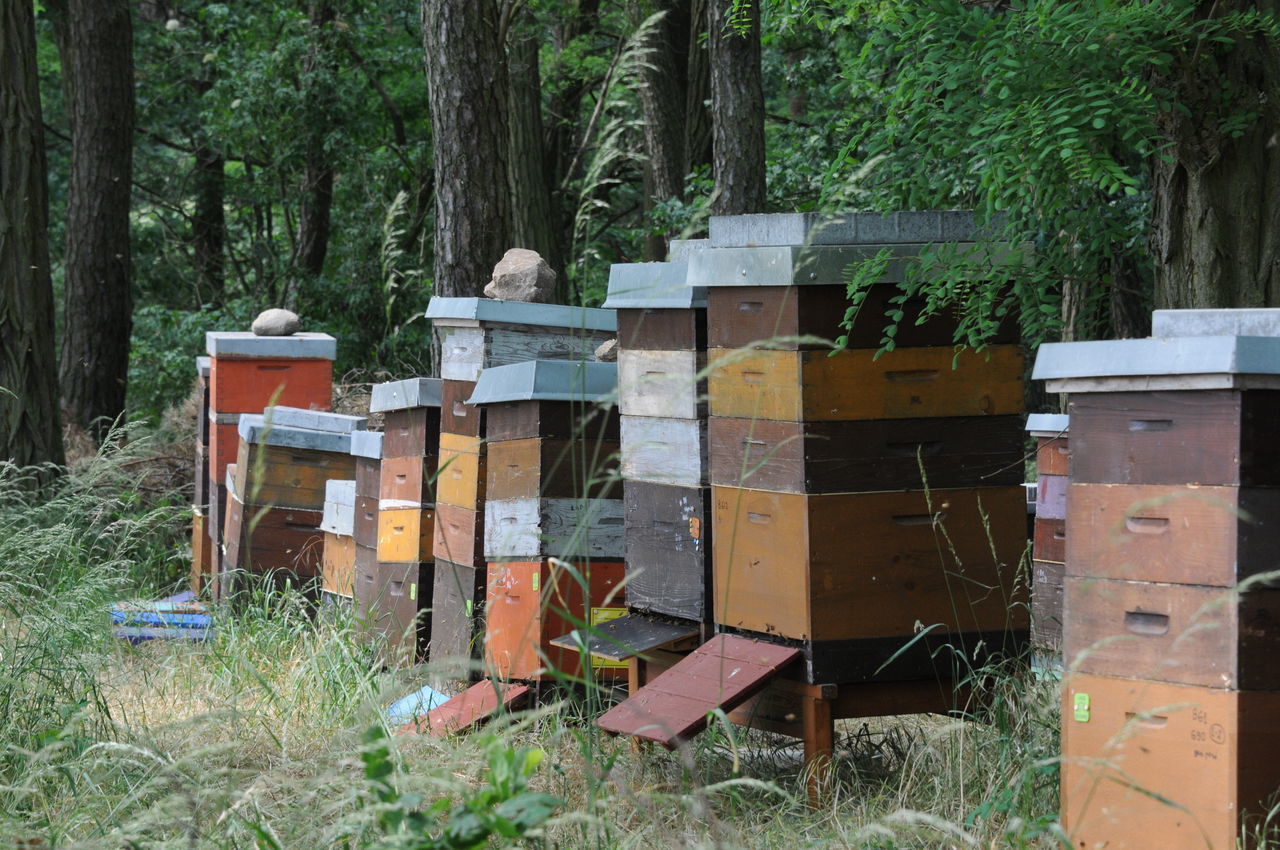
(471, 312)
(547, 380)
(607, 352)
(1047, 424)
(243, 345)
(522, 275)
(367, 444)
(851, 228)
(314, 420)
(406, 394)
(256, 431)
(653, 286)
(1249, 322)
(276, 322)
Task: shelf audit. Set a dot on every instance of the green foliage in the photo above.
(504, 808)
(1043, 117)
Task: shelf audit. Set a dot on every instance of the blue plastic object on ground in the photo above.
(413, 706)
(179, 617)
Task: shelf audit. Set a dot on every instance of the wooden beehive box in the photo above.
(391, 602)
(530, 603)
(338, 524)
(1048, 552)
(366, 448)
(872, 454)
(411, 417)
(457, 624)
(480, 333)
(1148, 764)
(846, 568)
(287, 455)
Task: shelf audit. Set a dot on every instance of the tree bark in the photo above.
(562, 125)
(697, 120)
(1215, 235)
(30, 426)
(737, 108)
(99, 301)
(467, 83)
(662, 100)
(533, 222)
(315, 210)
(209, 225)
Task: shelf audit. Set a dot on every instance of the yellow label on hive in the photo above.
(604, 615)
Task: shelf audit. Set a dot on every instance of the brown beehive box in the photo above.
(518, 420)
(457, 609)
(868, 565)
(411, 432)
(458, 535)
(530, 603)
(551, 468)
(1208, 636)
(1046, 604)
(391, 600)
(288, 477)
(1050, 541)
(368, 476)
(906, 383)
(1207, 437)
(1053, 456)
(365, 528)
(408, 481)
(655, 329)
(456, 416)
(863, 455)
(1187, 535)
(1153, 765)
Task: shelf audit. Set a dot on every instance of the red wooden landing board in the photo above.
(468, 708)
(722, 673)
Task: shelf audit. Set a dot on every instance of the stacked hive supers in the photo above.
(338, 563)
(662, 344)
(1049, 539)
(398, 590)
(247, 373)
(854, 495)
(275, 497)
(477, 334)
(552, 500)
(1170, 639)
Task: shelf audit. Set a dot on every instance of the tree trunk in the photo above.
(317, 180)
(30, 427)
(209, 225)
(533, 224)
(662, 99)
(1215, 236)
(99, 301)
(697, 116)
(467, 82)
(562, 125)
(737, 108)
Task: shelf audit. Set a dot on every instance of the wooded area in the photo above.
(346, 160)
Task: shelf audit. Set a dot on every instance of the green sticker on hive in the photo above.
(1080, 707)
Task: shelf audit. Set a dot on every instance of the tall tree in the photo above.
(737, 107)
(30, 428)
(467, 82)
(1216, 192)
(662, 90)
(314, 212)
(98, 64)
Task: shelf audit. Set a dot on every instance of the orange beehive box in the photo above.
(461, 479)
(530, 603)
(338, 566)
(201, 560)
(1149, 765)
(459, 536)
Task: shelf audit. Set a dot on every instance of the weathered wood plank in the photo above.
(668, 538)
(457, 613)
(664, 451)
(1046, 604)
(666, 384)
(721, 673)
(475, 705)
(556, 528)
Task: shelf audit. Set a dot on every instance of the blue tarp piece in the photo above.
(413, 706)
(180, 616)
